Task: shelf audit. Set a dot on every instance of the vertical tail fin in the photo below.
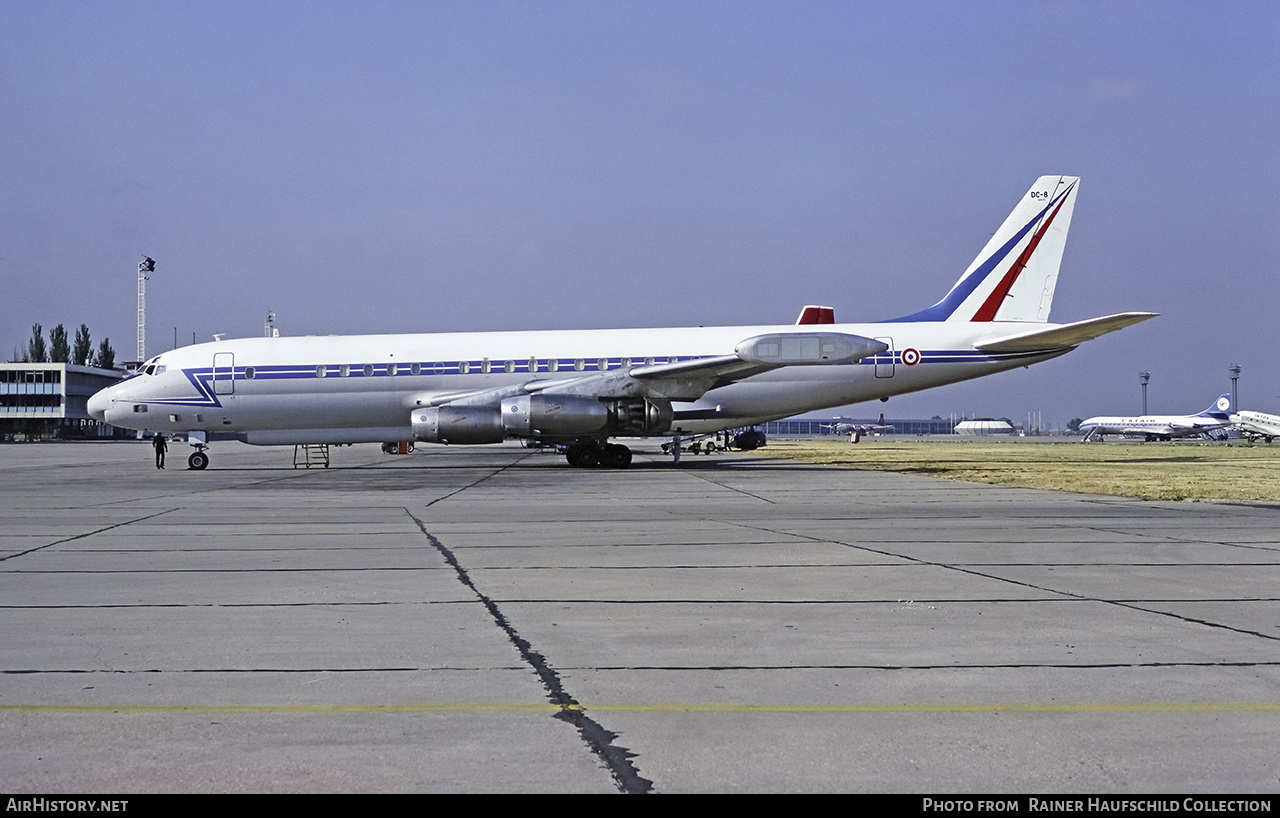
(1014, 276)
(1219, 408)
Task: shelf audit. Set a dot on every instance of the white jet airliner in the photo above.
(1162, 427)
(579, 388)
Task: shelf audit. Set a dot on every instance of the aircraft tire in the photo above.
(616, 456)
(581, 456)
(198, 461)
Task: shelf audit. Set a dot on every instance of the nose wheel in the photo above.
(198, 461)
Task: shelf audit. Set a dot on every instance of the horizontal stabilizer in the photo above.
(1062, 336)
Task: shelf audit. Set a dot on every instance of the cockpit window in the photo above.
(153, 366)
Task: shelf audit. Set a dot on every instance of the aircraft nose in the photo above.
(97, 406)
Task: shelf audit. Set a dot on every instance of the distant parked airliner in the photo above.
(1161, 427)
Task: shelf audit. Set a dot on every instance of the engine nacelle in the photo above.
(554, 416)
(541, 417)
(640, 417)
(568, 416)
(458, 424)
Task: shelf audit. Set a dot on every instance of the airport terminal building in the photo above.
(50, 400)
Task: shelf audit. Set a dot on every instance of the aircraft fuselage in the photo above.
(348, 389)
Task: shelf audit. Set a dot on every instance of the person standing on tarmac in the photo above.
(161, 448)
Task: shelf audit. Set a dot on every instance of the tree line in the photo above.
(60, 349)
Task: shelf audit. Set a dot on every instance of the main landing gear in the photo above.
(590, 455)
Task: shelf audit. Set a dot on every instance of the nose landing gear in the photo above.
(198, 460)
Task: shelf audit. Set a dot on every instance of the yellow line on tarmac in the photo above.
(299, 709)
(514, 707)
(1015, 707)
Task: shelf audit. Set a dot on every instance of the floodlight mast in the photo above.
(147, 265)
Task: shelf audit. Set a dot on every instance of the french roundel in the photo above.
(910, 356)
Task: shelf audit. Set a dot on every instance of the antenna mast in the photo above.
(147, 265)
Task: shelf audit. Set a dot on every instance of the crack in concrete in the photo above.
(616, 759)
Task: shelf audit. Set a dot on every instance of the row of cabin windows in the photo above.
(464, 367)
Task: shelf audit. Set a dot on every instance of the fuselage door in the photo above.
(224, 382)
(884, 361)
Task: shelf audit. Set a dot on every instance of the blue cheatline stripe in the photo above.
(951, 356)
(202, 378)
(427, 368)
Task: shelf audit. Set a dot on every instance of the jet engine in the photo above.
(640, 417)
(458, 424)
(553, 416)
(566, 416)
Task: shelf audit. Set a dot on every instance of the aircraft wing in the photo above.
(689, 379)
(1064, 335)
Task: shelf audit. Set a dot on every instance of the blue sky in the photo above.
(417, 167)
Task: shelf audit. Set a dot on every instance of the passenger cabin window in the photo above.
(250, 373)
(415, 369)
(553, 365)
(484, 366)
(368, 370)
(602, 364)
(464, 367)
(344, 371)
(509, 366)
(533, 364)
(579, 364)
(392, 369)
(320, 371)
